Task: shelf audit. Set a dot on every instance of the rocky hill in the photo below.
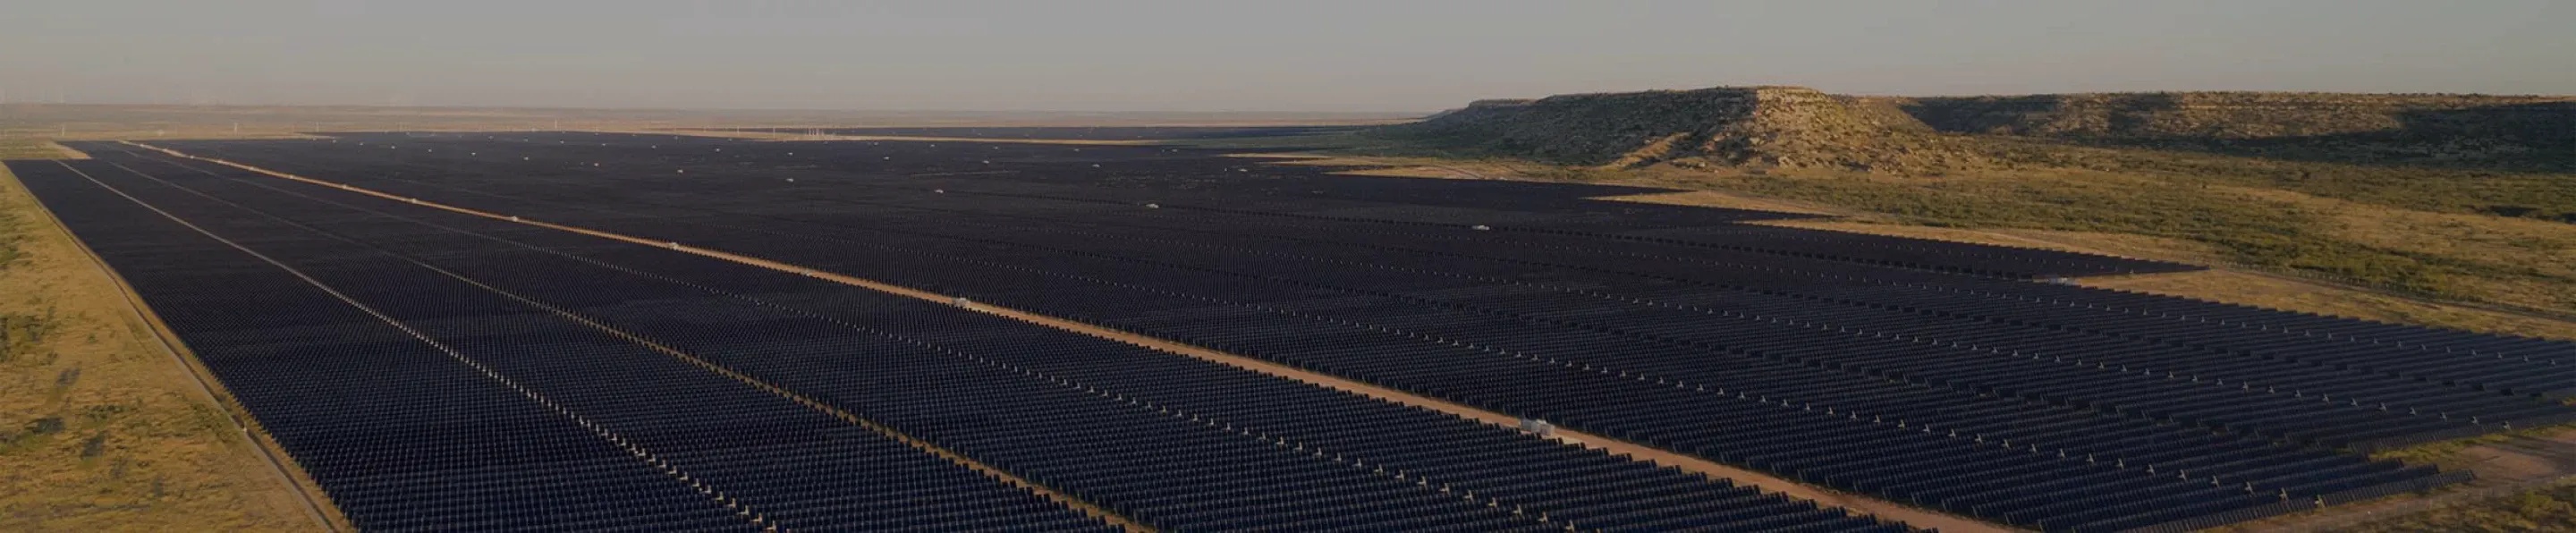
(1760, 127)
(2244, 115)
(2512, 132)
(1791, 127)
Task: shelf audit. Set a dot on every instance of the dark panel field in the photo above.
(479, 412)
(1931, 373)
(528, 314)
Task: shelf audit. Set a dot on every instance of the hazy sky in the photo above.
(1264, 55)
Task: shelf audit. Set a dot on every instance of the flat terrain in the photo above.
(89, 122)
(1942, 362)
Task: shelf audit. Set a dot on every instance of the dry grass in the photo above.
(2547, 509)
(25, 148)
(2512, 261)
(1403, 167)
(1730, 200)
(2523, 484)
(102, 430)
(2091, 242)
(2266, 290)
(2449, 454)
(2522, 456)
(2222, 284)
(2520, 261)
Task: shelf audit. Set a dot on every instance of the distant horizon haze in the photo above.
(1353, 56)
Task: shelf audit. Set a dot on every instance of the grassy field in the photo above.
(2522, 485)
(2549, 509)
(33, 148)
(99, 428)
(2512, 261)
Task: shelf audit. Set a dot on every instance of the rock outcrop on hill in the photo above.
(1799, 128)
(1762, 127)
(2245, 115)
(2526, 132)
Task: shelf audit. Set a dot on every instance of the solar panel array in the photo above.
(480, 413)
(1942, 380)
(1920, 372)
(436, 370)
